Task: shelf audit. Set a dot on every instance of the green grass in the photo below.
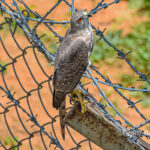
(140, 4)
(5, 28)
(25, 13)
(145, 103)
(148, 127)
(136, 4)
(110, 110)
(138, 42)
(127, 79)
(9, 141)
(3, 64)
(117, 105)
(49, 39)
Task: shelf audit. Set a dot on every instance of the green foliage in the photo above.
(5, 28)
(111, 111)
(25, 13)
(49, 39)
(10, 141)
(136, 3)
(33, 6)
(145, 103)
(140, 4)
(116, 103)
(108, 92)
(3, 64)
(102, 51)
(68, 14)
(127, 79)
(53, 47)
(138, 42)
(148, 127)
(103, 101)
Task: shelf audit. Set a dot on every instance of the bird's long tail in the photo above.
(59, 103)
(62, 111)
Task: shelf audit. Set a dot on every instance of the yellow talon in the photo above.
(79, 99)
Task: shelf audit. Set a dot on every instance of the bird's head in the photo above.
(79, 20)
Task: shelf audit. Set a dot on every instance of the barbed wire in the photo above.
(15, 15)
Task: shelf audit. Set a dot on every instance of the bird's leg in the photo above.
(78, 96)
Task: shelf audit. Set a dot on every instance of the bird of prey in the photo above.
(72, 60)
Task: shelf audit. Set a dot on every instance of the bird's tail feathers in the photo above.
(62, 111)
(59, 102)
(58, 97)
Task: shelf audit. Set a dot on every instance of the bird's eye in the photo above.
(79, 21)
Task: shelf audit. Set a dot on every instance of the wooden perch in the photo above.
(104, 132)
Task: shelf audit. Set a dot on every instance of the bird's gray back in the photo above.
(72, 59)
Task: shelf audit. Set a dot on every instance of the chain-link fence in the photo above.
(26, 82)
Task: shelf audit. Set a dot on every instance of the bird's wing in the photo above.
(71, 62)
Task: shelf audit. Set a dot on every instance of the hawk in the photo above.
(72, 60)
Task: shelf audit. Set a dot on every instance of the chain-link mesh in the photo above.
(32, 90)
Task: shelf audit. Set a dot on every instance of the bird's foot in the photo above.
(78, 96)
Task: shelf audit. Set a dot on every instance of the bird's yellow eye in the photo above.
(79, 21)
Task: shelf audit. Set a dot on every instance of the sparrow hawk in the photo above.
(72, 60)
